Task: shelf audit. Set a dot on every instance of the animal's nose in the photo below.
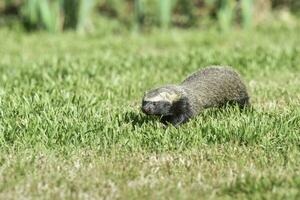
(145, 109)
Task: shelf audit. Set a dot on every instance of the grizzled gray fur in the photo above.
(214, 86)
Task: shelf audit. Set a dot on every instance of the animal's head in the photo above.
(160, 101)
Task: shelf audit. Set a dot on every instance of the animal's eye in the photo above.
(154, 103)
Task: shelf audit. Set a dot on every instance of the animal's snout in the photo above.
(147, 108)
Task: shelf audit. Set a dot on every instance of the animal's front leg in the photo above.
(175, 120)
(166, 120)
(179, 119)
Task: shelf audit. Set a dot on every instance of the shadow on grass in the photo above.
(138, 119)
(228, 109)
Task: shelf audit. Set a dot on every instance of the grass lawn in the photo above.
(71, 127)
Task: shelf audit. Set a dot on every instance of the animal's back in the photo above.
(215, 86)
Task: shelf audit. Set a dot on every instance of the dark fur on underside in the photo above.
(213, 86)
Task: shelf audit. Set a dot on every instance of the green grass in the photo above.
(70, 124)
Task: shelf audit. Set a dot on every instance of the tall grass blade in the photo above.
(84, 10)
(138, 14)
(42, 14)
(56, 15)
(70, 8)
(226, 14)
(30, 11)
(247, 13)
(50, 15)
(165, 12)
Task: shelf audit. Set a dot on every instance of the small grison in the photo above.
(214, 86)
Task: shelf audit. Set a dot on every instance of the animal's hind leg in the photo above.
(243, 103)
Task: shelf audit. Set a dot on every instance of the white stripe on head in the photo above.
(163, 96)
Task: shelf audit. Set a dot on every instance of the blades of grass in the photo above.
(56, 15)
(84, 10)
(189, 11)
(70, 10)
(165, 12)
(45, 13)
(226, 14)
(30, 11)
(50, 15)
(247, 13)
(139, 14)
(209, 2)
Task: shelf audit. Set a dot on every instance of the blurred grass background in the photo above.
(70, 120)
(142, 15)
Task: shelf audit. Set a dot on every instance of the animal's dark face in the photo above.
(159, 101)
(162, 108)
